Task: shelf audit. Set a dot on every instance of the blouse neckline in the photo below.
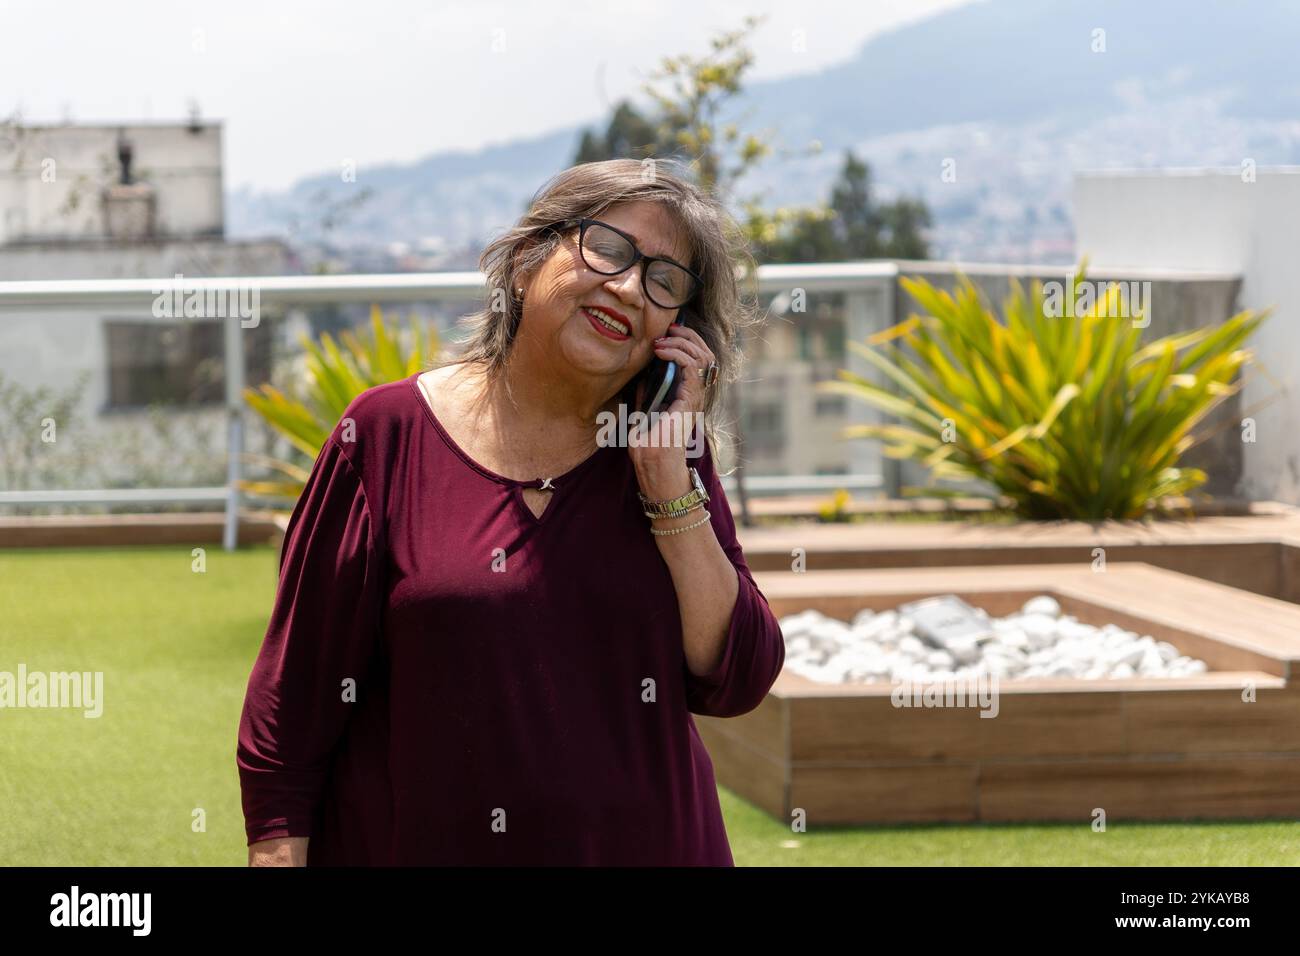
(414, 382)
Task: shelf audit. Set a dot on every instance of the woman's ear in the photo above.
(522, 279)
(521, 283)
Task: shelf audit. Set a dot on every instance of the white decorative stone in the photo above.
(911, 646)
(1035, 642)
(967, 651)
(939, 659)
(1150, 665)
(1014, 637)
(1042, 605)
(1068, 627)
(1039, 628)
(1130, 656)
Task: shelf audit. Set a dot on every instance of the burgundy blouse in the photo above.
(448, 679)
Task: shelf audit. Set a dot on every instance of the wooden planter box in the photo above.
(1139, 749)
(1259, 552)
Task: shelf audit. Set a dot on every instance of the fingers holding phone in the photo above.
(673, 386)
(683, 347)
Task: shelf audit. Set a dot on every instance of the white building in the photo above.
(140, 201)
(1242, 221)
(66, 183)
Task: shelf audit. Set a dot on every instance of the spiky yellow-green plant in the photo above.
(334, 377)
(1070, 418)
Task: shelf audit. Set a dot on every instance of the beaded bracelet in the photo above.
(703, 521)
(677, 514)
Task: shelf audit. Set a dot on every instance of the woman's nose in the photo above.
(627, 286)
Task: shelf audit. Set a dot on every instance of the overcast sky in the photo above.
(302, 86)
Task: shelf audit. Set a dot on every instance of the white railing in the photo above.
(856, 280)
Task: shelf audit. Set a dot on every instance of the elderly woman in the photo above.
(492, 627)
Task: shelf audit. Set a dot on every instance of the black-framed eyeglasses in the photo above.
(610, 251)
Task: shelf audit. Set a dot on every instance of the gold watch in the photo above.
(676, 507)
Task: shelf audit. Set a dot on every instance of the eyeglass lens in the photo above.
(607, 252)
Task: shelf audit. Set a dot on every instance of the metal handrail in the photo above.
(851, 278)
(397, 287)
(769, 485)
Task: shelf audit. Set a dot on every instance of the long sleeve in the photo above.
(316, 654)
(755, 648)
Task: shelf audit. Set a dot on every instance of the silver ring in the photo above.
(710, 374)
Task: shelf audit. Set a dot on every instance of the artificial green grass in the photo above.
(758, 840)
(176, 648)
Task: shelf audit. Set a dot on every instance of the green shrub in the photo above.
(1070, 418)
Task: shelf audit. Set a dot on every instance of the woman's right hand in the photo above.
(282, 851)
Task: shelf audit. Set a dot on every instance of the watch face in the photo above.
(699, 482)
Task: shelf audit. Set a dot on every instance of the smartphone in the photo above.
(661, 376)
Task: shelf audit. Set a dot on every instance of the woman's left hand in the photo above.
(660, 458)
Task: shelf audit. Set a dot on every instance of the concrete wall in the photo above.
(106, 259)
(1221, 221)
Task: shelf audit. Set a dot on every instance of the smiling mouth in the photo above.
(606, 323)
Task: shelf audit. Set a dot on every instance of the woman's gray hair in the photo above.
(717, 248)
